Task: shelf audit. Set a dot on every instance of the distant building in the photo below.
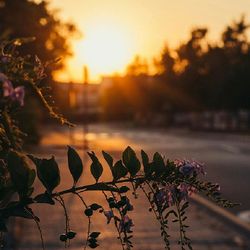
(70, 99)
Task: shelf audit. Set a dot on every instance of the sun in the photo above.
(105, 49)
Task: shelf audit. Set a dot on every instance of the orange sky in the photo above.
(114, 31)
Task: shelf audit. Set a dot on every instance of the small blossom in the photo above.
(125, 224)
(185, 190)
(129, 206)
(3, 77)
(18, 95)
(7, 88)
(109, 215)
(5, 59)
(15, 94)
(187, 167)
(165, 195)
(160, 197)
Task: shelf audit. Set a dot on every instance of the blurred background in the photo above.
(167, 76)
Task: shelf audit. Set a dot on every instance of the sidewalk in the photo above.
(206, 231)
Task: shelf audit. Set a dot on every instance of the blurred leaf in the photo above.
(47, 172)
(96, 167)
(74, 164)
(130, 161)
(21, 175)
(119, 170)
(44, 198)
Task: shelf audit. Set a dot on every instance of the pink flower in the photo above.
(125, 224)
(109, 215)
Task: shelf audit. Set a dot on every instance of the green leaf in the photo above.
(158, 163)
(44, 198)
(102, 186)
(96, 167)
(148, 168)
(108, 159)
(123, 189)
(94, 234)
(21, 175)
(130, 161)
(74, 164)
(119, 170)
(47, 172)
(19, 211)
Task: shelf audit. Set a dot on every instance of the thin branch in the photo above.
(89, 220)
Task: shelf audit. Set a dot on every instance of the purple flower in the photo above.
(165, 195)
(129, 206)
(18, 95)
(187, 167)
(185, 190)
(3, 77)
(5, 59)
(125, 224)
(15, 94)
(160, 197)
(109, 215)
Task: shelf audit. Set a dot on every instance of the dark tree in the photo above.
(25, 18)
(30, 18)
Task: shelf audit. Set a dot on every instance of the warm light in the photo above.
(104, 49)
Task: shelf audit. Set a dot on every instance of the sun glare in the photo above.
(104, 49)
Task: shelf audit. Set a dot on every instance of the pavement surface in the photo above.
(226, 156)
(206, 230)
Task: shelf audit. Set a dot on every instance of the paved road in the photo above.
(222, 153)
(227, 157)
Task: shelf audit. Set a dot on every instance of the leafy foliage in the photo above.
(166, 184)
(75, 164)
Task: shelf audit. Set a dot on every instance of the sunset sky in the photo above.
(114, 31)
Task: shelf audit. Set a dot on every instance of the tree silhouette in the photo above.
(24, 18)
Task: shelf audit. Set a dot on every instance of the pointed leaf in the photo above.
(158, 163)
(102, 186)
(44, 198)
(74, 164)
(130, 161)
(119, 170)
(146, 165)
(47, 172)
(96, 167)
(108, 159)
